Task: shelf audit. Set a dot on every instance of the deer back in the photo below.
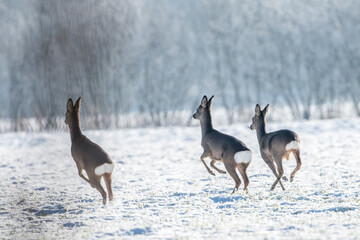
(222, 145)
(88, 152)
(279, 142)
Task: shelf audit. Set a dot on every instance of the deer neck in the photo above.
(74, 126)
(206, 124)
(260, 130)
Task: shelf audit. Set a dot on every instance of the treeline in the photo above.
(148, 63)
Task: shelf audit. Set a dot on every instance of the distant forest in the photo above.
(148, 63)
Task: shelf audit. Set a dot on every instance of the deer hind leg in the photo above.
(232, 171)
(204, 155)
(298, 163)
(212, 164)
(108, 180)
(286, 156)
(242, 170)
(95, 181)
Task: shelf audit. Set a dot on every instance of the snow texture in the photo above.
(163, 191)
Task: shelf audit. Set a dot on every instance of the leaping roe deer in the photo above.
(220, 147)
(275, 146)
(88, 155)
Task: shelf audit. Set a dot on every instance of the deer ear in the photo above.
(210, 101)
(78, 104)
(266, 109)
(204, 102)
(69, 105)
(257, 110)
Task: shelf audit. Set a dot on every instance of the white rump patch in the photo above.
(105, 168)
(292, 145)
(243, 157)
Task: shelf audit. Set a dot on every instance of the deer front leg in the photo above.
(280, 169)
(271, 164)
(212, 164)
(280, 172)
(82, 175)
(278, 180)
(204, 155)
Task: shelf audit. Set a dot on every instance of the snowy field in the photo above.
(163, 191)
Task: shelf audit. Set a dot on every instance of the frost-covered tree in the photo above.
(72, 49)
(143, 62)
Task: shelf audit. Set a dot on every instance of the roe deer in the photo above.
(275, 146)
(88, 155)
(220, 147)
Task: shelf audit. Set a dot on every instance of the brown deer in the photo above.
(88, 155)
(220, 147)
(275, 146)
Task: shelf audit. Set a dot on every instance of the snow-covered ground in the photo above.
(162, 189)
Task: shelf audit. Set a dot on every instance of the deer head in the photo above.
(204, 109)
(260, 117)
(72, 112)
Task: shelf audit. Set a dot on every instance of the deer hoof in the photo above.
(212, 173)
(235, 190)
(291, 179)
(284, 178)
(223, 172)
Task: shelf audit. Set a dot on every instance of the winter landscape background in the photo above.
(142, 68)
(156, 59)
